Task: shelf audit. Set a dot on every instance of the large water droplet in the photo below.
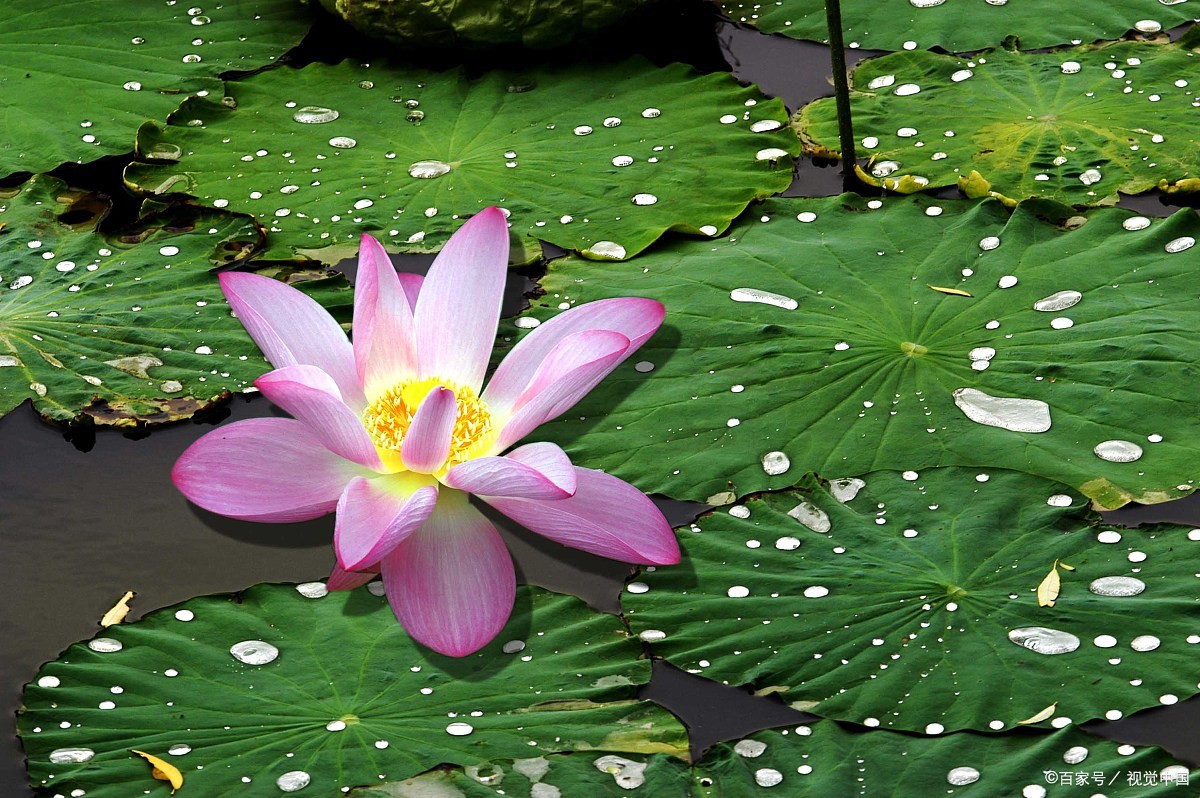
(293, 781)
(845, 489)
(1117, 586)
(105, 645)
(1044, 640)
(254, 652)
(627, 773)
(312, 590)
(1118, 451)
(1010, 413)
(1075, 754)
(963, 775)
(644, 199)
(883, 81)
(315, 115)
(767, 777)
(1145, 643)
(179, 750)
(770, 154)
(1058, 301)
(765, 125)
(428, 169)
(1180, 244)
(811, 516)
(775, 463)
(343, 142)
(763, 297)
(606, 249)
(71, 756)
(459, 729)
(749, 748)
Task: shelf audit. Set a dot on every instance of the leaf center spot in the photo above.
(913, 350)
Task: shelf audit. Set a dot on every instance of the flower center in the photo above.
(388, 418)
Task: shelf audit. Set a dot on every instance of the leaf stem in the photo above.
(841, 92)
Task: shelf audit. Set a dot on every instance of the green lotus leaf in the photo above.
(1074, 125)
(911, 601)
(475, 23)
(959, 26)
(325, 153)
(79, 77)
(827, 759)
(818, 336)
(284, 686)
(122, 329)
(594, 773)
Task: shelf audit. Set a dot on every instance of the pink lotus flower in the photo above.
(393, 433)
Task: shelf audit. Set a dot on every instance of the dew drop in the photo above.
(1070, 67)
(609, 250)
(816, 591)
(765, 125)
(627, 773)
(906, 89)
(961, 75)
(342, 142)
(881, 82)
(622, 160)
(770, 154)
(749, 748)
(767, 777)
(644, 199)
(71, 756)
(652, 635)
(179, 750)
(1136, 223)
(48, 681)
(989, 243)
(738, 591)
(459, 729)
(513, 646)
(1104, 641)
(846, 489)
(651, 113)
(583, 130)
(1059, 500)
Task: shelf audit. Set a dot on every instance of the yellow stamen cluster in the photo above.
(388, 418)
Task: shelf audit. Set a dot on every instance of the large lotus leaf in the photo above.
(597, 158)
(1075, 125)
(963, 25)
(596, 774)
(815, 338)
(286, 684)
(437, 23)
(121, 329)
(77, 77)
(826, 759)
(898, 607)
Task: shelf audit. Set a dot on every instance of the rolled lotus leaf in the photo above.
(480, 23)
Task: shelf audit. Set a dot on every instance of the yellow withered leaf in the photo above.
(163, 770)
(952, 291)
(118, 612)
(1039, 717)
(1051, 586)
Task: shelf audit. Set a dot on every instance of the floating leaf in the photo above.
(1049, 588)
(79, 77)
(916, 609)
(126, 329)
(963, 26)
(590, 773)
(810, 342)
(118, 611)
(829, 759)
(324, 153)
(163, 770)
(284, 686)
(1074, 125)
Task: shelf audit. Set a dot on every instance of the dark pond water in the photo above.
(86, 516)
